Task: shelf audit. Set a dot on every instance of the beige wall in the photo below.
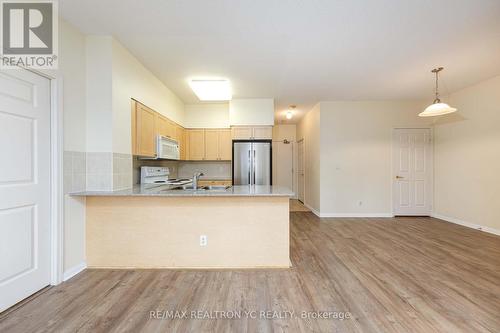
(114, 76)
(287, 131)
(251, 111)
(356, 148)
(207, 115)
(99, 78)
(132, 80)
(98, 94)
(72, 69)
(467, 157)
(309, 130)
(280, 133)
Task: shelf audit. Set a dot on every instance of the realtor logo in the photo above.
(29, 34)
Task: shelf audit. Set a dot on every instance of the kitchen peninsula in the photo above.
(160, 227)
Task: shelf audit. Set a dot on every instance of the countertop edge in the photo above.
(243, 191)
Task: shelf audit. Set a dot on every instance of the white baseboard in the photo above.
(74, 270)
(345, 215)
(466, 224)
(312, 210)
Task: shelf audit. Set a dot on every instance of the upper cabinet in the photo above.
(196, 144)
(180, 135)
(166, 127)
(145, 131)
(252, 133)
(147, 124)
(225, 145)
(209, 144)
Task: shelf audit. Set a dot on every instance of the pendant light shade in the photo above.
(437, 108)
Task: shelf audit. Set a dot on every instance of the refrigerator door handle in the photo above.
(249, 163)
(253, 167)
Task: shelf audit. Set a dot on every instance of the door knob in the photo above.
(399, 177)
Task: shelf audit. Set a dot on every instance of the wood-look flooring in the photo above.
(392, 275)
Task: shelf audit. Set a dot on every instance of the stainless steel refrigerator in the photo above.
(252, 162)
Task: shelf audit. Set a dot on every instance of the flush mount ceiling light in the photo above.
(211, 89)
(437, 108)
(289, 114)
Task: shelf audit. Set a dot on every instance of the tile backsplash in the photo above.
(122, 171)
(99, 171)
(74, 171)
(96, 171)
(211, 170)
(106, 171)
(185, 169)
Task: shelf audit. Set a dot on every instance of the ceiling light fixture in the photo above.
(211, 89)
(437, 108)
(289, 114)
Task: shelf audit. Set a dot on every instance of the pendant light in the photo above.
(289, 114)
(437, 108)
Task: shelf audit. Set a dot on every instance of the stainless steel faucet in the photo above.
(195, 179)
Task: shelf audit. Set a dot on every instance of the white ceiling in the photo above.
(302, 52)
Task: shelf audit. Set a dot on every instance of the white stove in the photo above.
(159, 176)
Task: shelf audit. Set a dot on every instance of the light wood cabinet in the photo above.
(215, 182)
(211, 144)
(196, 144)
(252, 132)
(225, 145)
(181, 138)
(242, 133)
(263, 133)
(165, 127)
(145, 131)
(147, 124)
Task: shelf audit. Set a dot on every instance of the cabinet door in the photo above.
(146, 131)
(225, 145)
(211, 144)
(162, 126)
(242, 133)
(171, 129)
(196, 145)
(180, 137)
(133, 117)
(263, 132)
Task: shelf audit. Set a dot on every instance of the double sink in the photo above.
(199, 188)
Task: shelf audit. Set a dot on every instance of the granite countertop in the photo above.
(167, 191)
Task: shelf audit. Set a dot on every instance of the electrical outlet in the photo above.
(203, 240)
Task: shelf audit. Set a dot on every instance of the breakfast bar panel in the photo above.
(164, 232)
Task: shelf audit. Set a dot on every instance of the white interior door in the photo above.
(283, 164)
(24, 185)
(300, 170)
(412, 172)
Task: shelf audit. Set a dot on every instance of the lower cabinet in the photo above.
(215, 182)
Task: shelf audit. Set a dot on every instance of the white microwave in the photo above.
(167, 148)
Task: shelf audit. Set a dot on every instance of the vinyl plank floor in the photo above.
(389, 274)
